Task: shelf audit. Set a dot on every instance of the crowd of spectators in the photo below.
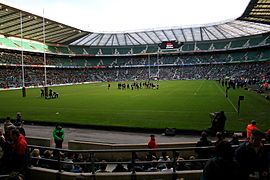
(166, 67)
(158, 59)
(229, 158)
(222, 160)
(34, 76)
(14, 146)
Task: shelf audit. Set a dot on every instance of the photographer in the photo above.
(218, 122)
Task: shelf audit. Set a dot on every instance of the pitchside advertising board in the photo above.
(170, 45)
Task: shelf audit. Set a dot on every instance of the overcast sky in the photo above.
(128, 15)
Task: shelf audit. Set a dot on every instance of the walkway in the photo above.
(103, 136)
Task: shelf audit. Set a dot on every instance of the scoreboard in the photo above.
(170, 45)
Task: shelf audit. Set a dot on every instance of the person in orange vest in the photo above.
(250, 127)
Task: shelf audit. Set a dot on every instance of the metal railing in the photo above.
(133, 157)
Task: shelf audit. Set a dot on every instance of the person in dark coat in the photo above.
(235, 140)
(119, 167)
(204, 153)
(252, 157)
(222, 166)
(218, 122)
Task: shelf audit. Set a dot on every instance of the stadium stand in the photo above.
(7, 43)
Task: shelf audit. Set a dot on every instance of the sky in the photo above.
(132, 15)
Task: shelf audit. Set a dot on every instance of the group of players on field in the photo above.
(50, 95)
(137, 85)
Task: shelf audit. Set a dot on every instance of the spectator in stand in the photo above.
(19, 147)
(11, 76)
(58, 136)
(7, 148)
(181, 164)
(119, 167)
(222, 166)
(193, 164)
(250, 127)
(168, 168)
(153, 167)
(267, 137)
(78, 158)
(204, 153)
(35, 154)
(102, 167)
(68, 164)
(137, 166)
(252, 158)
(46, 160)
(219, 137)
(235, 140)
(2, 143)
(163, 160)
(149, 157)
(266, 85)
(7, 123)
(2, 138)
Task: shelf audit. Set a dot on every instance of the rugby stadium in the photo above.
(183, 81)
(188, 64)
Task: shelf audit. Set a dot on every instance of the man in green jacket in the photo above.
(58, 136)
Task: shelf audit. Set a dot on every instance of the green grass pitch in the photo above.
(179, 104)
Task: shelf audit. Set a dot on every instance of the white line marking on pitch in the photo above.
(197, 90)
(226, 98)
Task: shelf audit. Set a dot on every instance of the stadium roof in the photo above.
(231, 29)
(32, 27)
(255, 20)
(257, 11)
